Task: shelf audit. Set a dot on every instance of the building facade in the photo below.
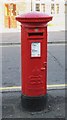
(11, 8)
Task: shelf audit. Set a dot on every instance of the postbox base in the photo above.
(34, 103)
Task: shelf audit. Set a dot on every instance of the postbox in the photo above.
(34, 58)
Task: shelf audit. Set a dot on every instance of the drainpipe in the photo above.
(31, 5)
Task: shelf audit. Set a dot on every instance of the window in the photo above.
(52, 8)
(57, 8)
(43, 7)
(37, 7)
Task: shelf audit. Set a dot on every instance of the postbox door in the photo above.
(37, 66)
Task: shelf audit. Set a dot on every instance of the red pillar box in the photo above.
(34, 59)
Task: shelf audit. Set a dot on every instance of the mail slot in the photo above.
(34, 59)
(35, 34)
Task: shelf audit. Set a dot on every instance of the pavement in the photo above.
(55, 106)
(15, 37)
(16, 34)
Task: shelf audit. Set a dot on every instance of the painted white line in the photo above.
(16, 88)
(9, 88)
(57, 85)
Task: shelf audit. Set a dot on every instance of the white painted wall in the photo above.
(57, 18)
(1, 16)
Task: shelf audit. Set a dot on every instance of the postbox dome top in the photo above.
(33, 17)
